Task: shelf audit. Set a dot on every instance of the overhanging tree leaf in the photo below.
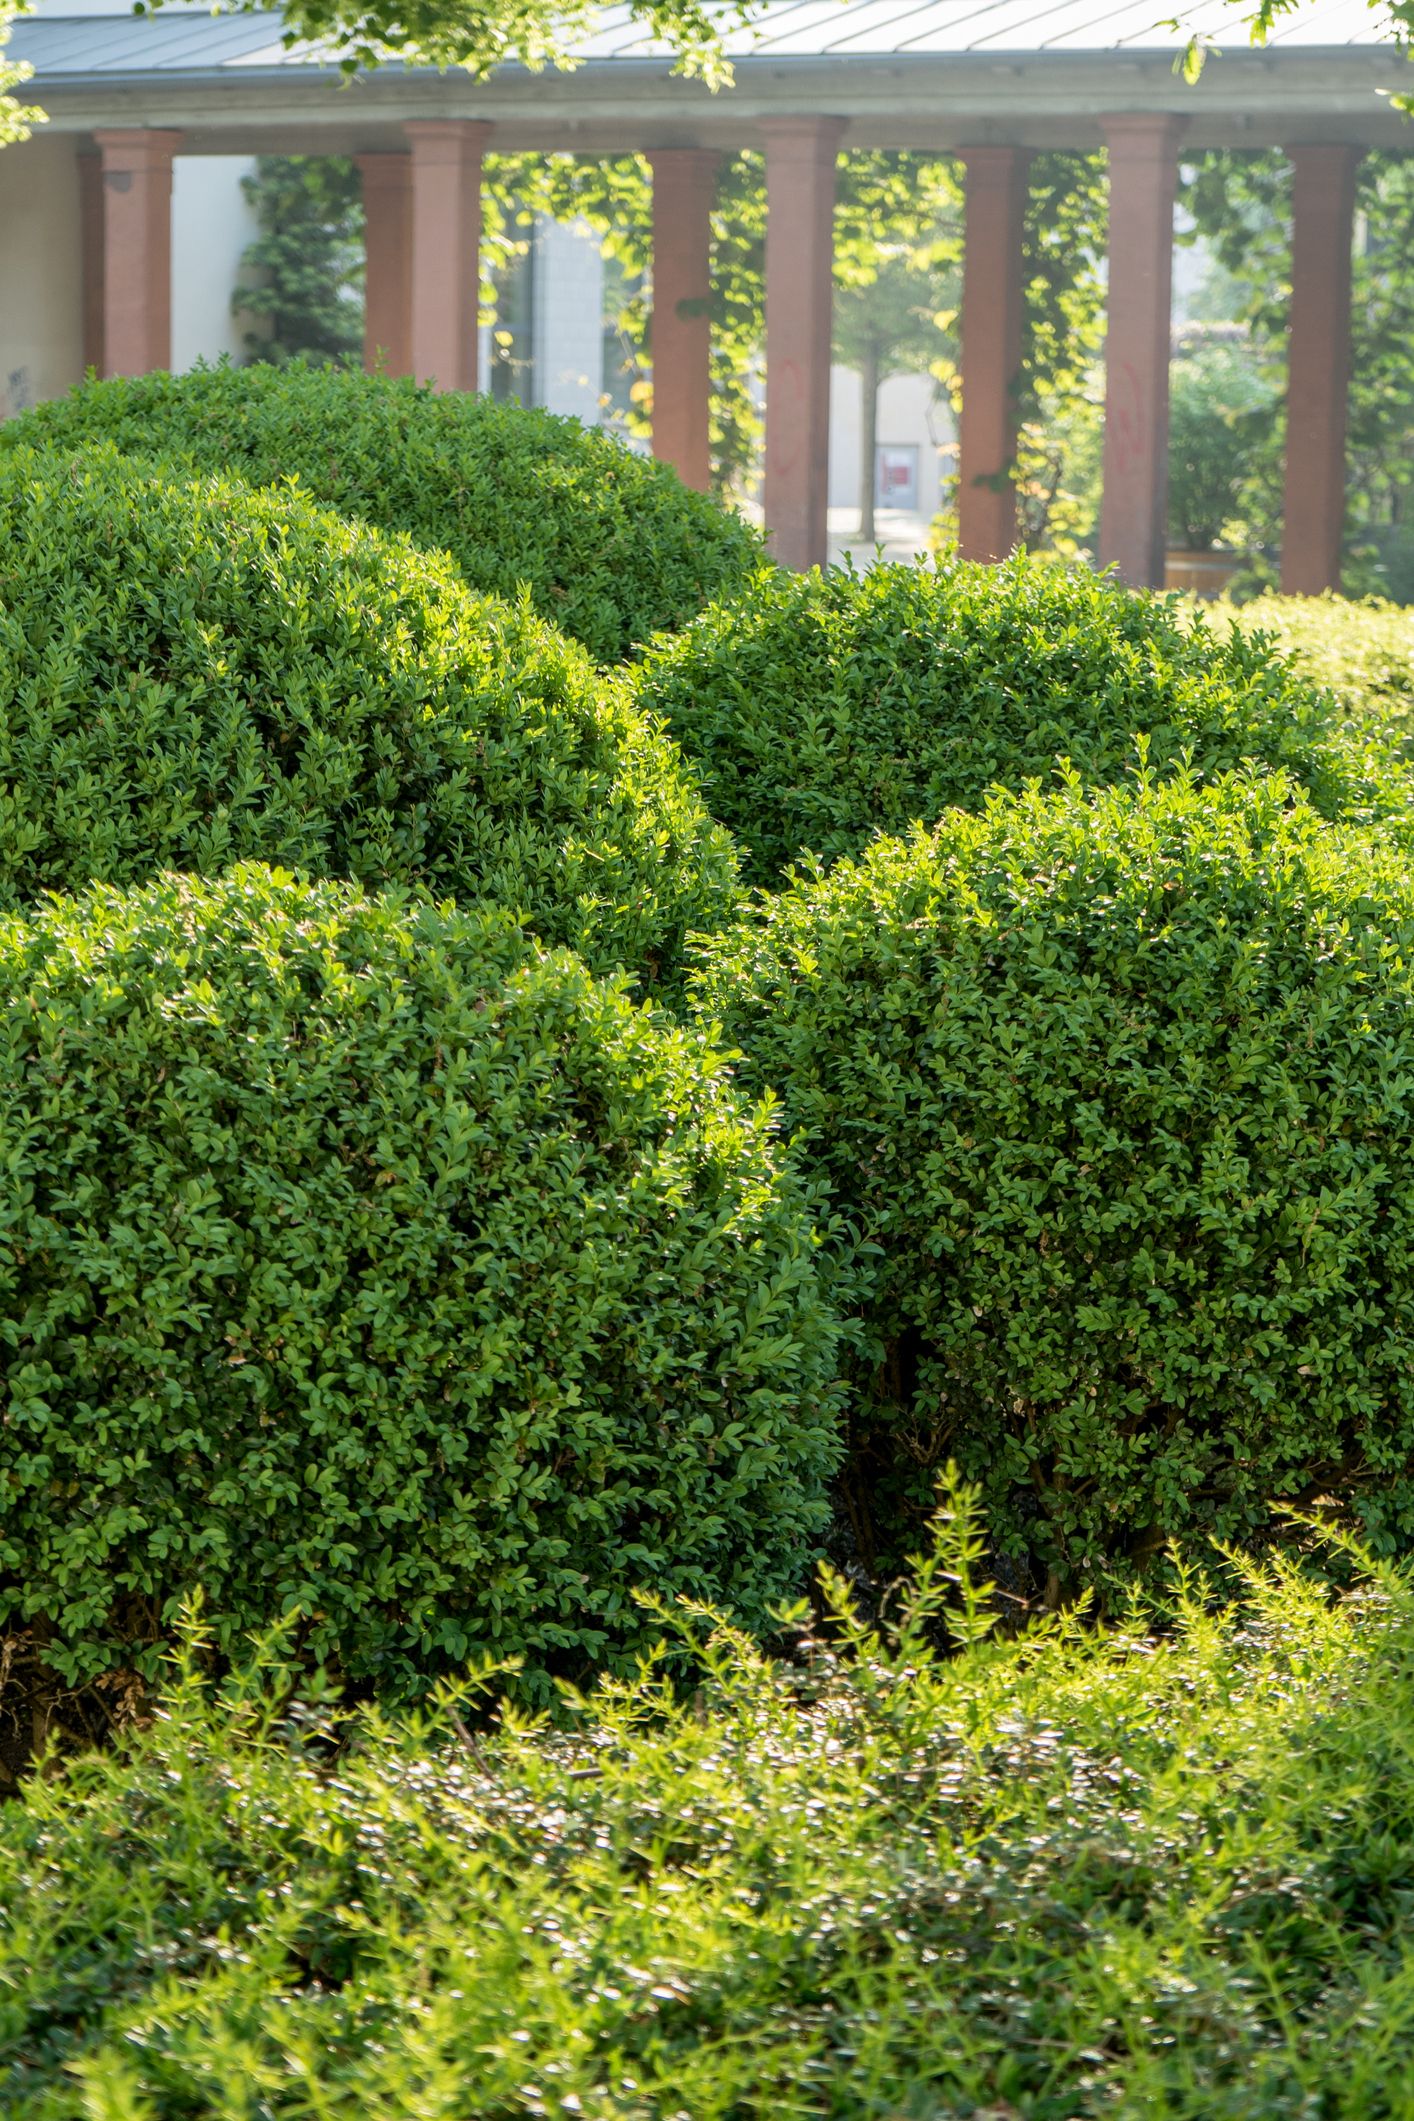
(481, 34)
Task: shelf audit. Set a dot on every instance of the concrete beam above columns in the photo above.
(1279, 96)
(387, 241)
(800, 207)
(1143, 158)
(136, 184)
(1318, 368)
(684, 187)
(993, 300)
(446, 248)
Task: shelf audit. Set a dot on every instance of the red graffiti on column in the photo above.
(1128, 437)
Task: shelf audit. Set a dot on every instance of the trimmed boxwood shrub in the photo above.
(1114, 1097)
(611, 546)
(193, 673)
(355, 1258)
(824, 709)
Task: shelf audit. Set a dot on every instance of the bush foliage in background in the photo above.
(1112, 1096)
(1094, 1874)
(611, 546)
(826, 708)
(355, 1258)
(195, 674)
(1363, 653)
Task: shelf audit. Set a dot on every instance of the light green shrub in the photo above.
(1113, 1097)
(193, 674)
(355, 1258)
(1362, 652)
(1159, 1874)
(821, 710)
(611, 546)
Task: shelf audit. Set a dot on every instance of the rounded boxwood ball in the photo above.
(1114, 1099)
(355, 1258)
(611, 546)
(822, 709)
(194, 673)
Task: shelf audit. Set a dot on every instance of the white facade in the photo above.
(567, 330)
(41, 330)
(916, 431)
(212, 224)
(41, 276)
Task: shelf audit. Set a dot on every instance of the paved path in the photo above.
(902, 536)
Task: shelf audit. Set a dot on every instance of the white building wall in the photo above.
(567, 328)
(212, 224)
(910, 417)
(41, 273)
(41, 265)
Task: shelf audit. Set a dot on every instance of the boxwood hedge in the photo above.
(826, 708)
(356, 1259)
(611, 546)
(193, 673)
(1114, 1096)
(1363, 652)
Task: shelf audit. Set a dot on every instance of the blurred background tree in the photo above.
(1223, 437)
(1240, 210)
(302, 278)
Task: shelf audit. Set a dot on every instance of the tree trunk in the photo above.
(869, 380)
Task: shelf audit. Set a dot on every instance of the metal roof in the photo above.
(820, 28)
(190, 40)
(926, 74)
(178, 40)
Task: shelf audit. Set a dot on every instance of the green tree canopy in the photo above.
(480, 34)
(15, 118)
(308, 259)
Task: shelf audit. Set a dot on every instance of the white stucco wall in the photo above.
(909, 416)
(212, 223)
(41, 267)
(41, 284)
(568, 321)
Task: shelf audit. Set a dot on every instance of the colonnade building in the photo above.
(991, 81)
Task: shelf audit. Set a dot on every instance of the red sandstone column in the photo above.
(137, 250)
(1318, 373)
(91, 256)
(992, 303)
(446, 248)
(800, 204)
(1143, 176)
(684, 186)
(387, 244)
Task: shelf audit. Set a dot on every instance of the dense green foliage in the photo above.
(355, 1257)
(612, 547)
(195, 674)
(1361, 652)
(1113, 1095)
(826, 708)
(16, 118)
(1160, 1876)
